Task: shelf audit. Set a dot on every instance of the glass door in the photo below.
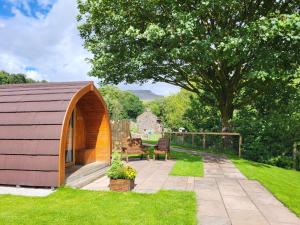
(69, 152)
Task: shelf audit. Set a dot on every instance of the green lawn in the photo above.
(71, 206)
(186, 164)
(283, 183)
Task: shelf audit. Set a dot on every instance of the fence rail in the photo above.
(206, 140)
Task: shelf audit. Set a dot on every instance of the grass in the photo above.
(71, 206)
(283, 183)
(186, 165)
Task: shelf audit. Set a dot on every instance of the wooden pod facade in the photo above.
(46, 127)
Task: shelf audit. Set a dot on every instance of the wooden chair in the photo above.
(162, 147)
(133, 146)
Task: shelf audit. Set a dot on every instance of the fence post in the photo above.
(193, 136)
(182, 139)
(295, 155)
(240, 145)
(204, 141)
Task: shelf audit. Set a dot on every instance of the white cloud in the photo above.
(2, 25)
(52, 45)
(33, 74)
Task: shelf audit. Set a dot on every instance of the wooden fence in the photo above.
(205, 139)
(120, 129)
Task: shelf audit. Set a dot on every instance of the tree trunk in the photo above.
(226, 120)
(226, 108)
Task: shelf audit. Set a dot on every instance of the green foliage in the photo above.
(118, 170)
(211, 46)
(270, 124)
(6, 78)
(156, 106)
(202, 116)
(185, 109)
(132, 105)
(74, 206)
(121, 104)
(175, 107)
(240, 64)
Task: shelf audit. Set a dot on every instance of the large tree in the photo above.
(211, 46)
(121, 104)
(7, 78)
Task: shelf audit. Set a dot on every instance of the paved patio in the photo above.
(224, 195)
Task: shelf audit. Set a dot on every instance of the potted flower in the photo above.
(121, 175)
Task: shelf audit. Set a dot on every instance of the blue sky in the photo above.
(31, 8)
(40, 38)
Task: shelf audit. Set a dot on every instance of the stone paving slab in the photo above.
(246, 202)
(224, 195)
(24, 191)
(211, 208)
(247, 217)
(212, 220)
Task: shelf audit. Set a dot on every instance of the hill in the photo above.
(145, 95)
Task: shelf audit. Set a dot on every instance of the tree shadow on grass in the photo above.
(185, 157)
(251, 163)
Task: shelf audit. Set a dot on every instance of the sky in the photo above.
(39, 38)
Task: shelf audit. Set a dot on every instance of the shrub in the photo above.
(119, 170)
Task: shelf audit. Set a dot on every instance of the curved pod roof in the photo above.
(34, 121)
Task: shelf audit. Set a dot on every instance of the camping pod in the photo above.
(48, 127)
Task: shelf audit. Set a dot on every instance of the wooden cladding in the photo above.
(85, 156)
(32, 132)
(52, 106)
(92, 133)
(29, 162)
(38, 91)
(29, 178)
(32, 118)
(29, 147)
(35, 98)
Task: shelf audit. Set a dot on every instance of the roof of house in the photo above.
(146, 115)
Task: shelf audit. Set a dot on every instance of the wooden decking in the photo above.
(78, 176)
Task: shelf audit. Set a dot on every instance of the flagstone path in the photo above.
(224, 195)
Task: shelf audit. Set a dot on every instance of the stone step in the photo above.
(85, 180)
(78, 174)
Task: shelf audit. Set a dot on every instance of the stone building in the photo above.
(147, 123)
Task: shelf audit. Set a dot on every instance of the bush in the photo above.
(281, 161)
(270, 124)
(119, 170)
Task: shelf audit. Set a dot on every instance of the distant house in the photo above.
(49, 128)
(147, 123)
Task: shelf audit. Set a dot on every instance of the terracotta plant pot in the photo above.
(121, 185)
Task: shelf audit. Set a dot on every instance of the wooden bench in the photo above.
(162, 147)
(133, 146)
